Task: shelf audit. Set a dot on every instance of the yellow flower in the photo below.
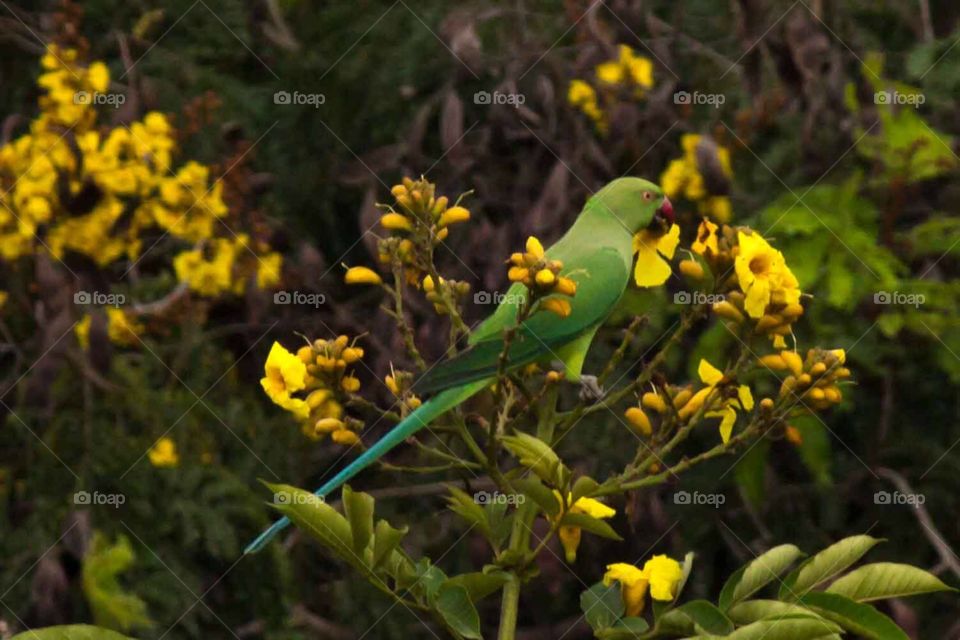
(664, 574)
(569, 535)
(651, 269)
(611, 72)
(707, 239)
(727, 412)
(763, 275)
(661, 574)
(580, 93)
(268, 270)
(633, 586)
(164, 453)
(285, 373)
(362, 275)
(121, 330)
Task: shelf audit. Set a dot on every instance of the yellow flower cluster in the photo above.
(628, 71)
(225, 265)
(420, 220)
(164, 453)
(122, 330)
(541, 276)
(813, 380)
(723, 398)
(764, 290)
(318, 372)
(95, 192)
(661, 575)
(683, 177)
(570, 535)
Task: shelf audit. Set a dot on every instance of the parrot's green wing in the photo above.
(601, 278)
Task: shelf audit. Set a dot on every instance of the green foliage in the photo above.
(70, 632)
(113, 606)
(801, 610)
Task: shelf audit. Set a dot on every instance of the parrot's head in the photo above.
(639, 204)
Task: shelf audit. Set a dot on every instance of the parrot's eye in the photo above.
(647, 196)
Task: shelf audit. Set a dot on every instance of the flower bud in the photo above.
(691, 269)
(639, 420)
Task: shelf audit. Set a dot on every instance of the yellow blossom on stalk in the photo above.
(653, 254)
(661, 574)
(763, 275)
(164, 453)
(570, 535)
(285, 373)
(208, 270)
(362, 275)
(541, 276)
(813, 380)
(720, 406)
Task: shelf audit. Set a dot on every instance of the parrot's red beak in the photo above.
(666, 210)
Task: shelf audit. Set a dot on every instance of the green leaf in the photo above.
(112, 605)
(429, 579)
(536, 455)
(385, 539)
(886, 580)
(696, 616)
(830, 562)
(602, 606)
(539, 493)
(584, 486)
(757, 574)
(466, 506)
(625, 629)
(861, 619)
(358, 507)
(589, 523)
(316, 518)
(788, 628)
(479, 584)
(70, 632)
(753, 610)
(454, 604)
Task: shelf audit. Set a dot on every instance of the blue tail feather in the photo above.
(418, 419)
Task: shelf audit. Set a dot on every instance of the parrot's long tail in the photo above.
(421, 417)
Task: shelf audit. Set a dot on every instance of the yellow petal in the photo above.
(534, 247)
(362, 275)
(667, 245)
(746, 397)
(708, 373)
(726, 425)
(650, 269)
(594, 508)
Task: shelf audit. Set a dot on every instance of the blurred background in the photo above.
(132, 442)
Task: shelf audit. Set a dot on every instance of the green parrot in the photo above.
(597, 254)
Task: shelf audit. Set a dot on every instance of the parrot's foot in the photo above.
(590, 389)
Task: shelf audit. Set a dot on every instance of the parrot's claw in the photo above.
(590, 389)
